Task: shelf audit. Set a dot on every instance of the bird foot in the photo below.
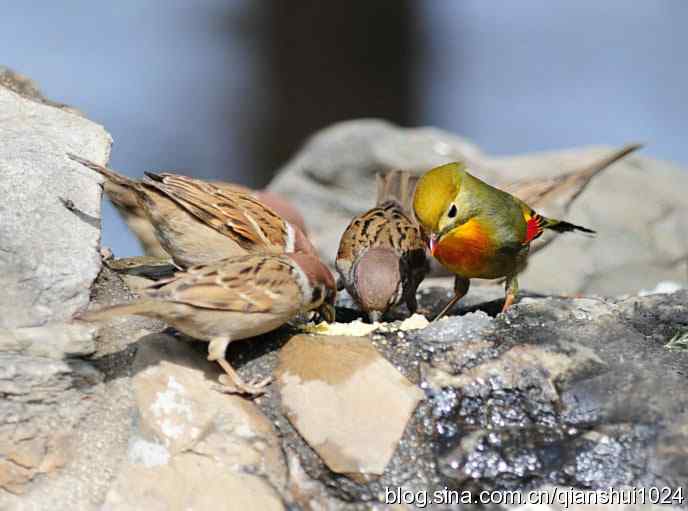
(508, 302)
(254, 387)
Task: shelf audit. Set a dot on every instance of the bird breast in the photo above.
(466, 250)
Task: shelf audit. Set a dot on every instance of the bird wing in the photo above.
(535, 224)
(232, 212)
(252, 283)
(384, 226)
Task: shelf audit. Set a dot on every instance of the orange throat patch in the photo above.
(465, 250)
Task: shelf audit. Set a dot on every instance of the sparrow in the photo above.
(235, 298)
(381, 259)
(476, 230)
(197, 222)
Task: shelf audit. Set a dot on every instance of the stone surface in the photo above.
(329, 385)
(48, 254)
(26, 87)
(332, 177)
(43, 400)
(55, 340)
(194, 447)
(565, 391)
(48, 260)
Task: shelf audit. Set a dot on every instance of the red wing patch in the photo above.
(534, 228)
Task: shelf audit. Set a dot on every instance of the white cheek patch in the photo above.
(303, 283)
(291, 238)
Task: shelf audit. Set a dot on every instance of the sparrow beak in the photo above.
(326, 312)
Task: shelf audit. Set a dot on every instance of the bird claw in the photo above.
(255, 387)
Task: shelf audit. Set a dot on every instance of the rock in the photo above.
(26, 87)
(329, 388)
(190, 481)
(332, 177)
(54, 340)
(565, 391)
(43, 401)
(452, 329)
(194, 447)
(49, 256)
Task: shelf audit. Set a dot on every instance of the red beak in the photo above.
(433, 244)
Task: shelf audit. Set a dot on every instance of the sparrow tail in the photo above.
(396, 185)
(137, 308)
(110, 175)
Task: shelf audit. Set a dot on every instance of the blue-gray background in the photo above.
(186, 85)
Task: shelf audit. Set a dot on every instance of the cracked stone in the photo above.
(52, 283)
(346, 400)
(194, 446)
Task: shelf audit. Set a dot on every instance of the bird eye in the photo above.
(452, 211)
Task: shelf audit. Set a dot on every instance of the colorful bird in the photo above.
(476, 230)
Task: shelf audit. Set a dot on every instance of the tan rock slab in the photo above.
(348, 402)
(194, 447)
(190, 481)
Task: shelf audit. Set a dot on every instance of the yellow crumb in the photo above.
(415, 322)
(359, 329)
(356, 328)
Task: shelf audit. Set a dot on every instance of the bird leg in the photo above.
(411, 301)
(511, 291)
(461, 286)
(232, 382)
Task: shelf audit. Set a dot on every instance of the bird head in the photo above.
(434, 200)
(377, 280)
(320, 292)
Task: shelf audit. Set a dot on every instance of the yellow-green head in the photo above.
(436, 191)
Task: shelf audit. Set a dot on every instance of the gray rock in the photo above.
(43, 401)
(332, 178)
(566, 391)
(55, 340)
(48, 254)
(27, 88)
(450, 329)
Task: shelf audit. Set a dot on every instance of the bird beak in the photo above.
(326, 312)
(433, 243)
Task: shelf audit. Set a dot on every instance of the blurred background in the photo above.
(230, 88)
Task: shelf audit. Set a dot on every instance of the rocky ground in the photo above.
(561, 391)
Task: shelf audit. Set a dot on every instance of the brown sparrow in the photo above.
(381, 259)
(197, 222)
(232, 299)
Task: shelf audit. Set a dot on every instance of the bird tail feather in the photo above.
(109, 174)
(136, 308)
(563, 226)
(397, 185)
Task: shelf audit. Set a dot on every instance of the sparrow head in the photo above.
(321, 291)
(433, 200)
(377, 279)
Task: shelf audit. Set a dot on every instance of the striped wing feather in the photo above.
(233, 213)
(252, 283)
